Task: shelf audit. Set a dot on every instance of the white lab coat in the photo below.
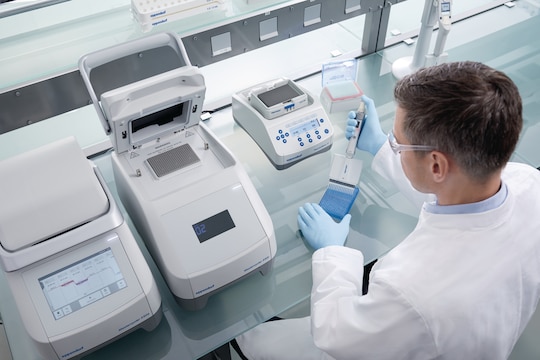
(458, 287)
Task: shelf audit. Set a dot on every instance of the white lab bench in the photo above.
(184, 334)
(381, 215)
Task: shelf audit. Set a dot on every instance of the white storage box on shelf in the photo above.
(151, 13)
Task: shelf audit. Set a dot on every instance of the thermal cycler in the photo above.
(74, 268)
(189, 197)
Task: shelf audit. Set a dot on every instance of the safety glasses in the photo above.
(397, 148)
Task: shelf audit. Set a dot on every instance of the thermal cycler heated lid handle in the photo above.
(129, 62)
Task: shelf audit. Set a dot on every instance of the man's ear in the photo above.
(440, 166)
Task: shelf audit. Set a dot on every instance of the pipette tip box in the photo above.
(338, 199)
(340, 90)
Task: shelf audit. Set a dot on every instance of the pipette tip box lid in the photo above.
(340, 90)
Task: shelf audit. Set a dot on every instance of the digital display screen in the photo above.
(304, 127)
(213, 226)
(445, 6)
(278, 95)
(82, 283)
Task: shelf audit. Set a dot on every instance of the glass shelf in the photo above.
(50, 40)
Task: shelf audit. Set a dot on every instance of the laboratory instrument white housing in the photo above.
(73, 266)
(191, 200)
(287, 122)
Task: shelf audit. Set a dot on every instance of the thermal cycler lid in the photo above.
(45, 192)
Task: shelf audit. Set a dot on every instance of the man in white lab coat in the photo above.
(466, 281)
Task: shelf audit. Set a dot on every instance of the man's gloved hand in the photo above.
(372, 137)
(319, 229)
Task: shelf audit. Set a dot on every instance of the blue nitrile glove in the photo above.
(319, 229)
(372, 137)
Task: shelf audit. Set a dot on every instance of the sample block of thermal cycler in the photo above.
(285, 120)
(73, 266)
(192, 201)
